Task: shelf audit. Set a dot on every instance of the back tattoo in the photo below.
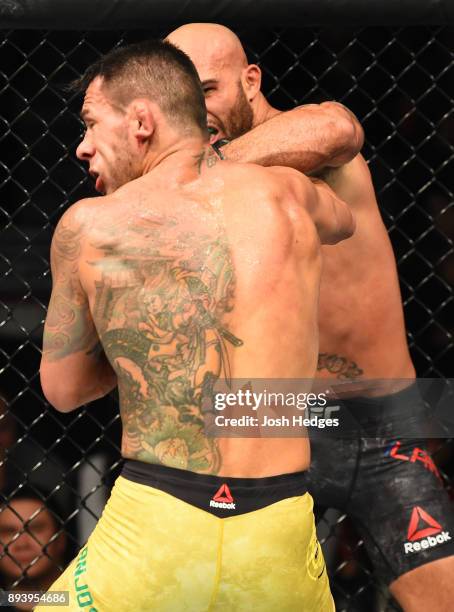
(160, 311)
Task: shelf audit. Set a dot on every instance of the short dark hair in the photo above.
(28, 492)
(154, 69)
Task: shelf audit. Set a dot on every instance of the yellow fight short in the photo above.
(152, 552)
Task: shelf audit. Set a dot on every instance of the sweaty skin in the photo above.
(173, 274)
(362, 328)
(331, 134)
(361, 322)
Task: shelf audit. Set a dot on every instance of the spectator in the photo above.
(23, 461)
(33, 543)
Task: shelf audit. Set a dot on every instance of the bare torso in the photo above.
(195, 277)
(362, 330)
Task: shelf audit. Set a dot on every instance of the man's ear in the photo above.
(251, 79)
(142, 120)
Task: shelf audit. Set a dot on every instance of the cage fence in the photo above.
(400, 84)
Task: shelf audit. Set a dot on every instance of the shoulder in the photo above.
(72, 227)
(285, 189)
(292, 184)
(276, 180)
(289, 176)
(273, 199)
(79, 216)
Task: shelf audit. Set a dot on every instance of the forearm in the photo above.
(76, 380)
(96, 382)
(306, 138)
(74, 368)
(332, 216)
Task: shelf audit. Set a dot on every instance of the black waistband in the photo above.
(408, 395)
(404, 411)
(221, 496)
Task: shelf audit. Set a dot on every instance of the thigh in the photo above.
(400, 506)
(332, 472)
(149, 551)
(271, 560)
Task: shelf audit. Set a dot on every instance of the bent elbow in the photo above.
(349, 227)
(58, 393)
(346, 226)
(348, 134)
(350, 140)
(357, 136)
(63, 402)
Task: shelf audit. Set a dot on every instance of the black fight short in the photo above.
(387, 483)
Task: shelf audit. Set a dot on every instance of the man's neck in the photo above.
(178, 157)
(263, 111)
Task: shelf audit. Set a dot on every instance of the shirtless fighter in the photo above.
(160, 287)
(388, 485)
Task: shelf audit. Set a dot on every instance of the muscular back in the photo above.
(191, 278)
(362, 331)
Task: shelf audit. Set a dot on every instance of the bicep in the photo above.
(69, 327)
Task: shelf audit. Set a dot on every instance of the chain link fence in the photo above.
(399, 82)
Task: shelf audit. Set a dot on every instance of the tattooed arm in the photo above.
(73, 370)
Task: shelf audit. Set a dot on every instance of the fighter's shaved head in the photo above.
(208, 43)
(230, 84)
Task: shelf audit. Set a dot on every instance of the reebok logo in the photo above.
(424, 532)
(223, 499)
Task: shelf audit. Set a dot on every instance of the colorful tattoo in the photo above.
(160, 310)
(341, 366)
(69, 326)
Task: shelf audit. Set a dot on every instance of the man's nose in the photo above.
(85, 150)
(23, 540)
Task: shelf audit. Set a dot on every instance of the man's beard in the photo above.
(123, 171)
(240, 118)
